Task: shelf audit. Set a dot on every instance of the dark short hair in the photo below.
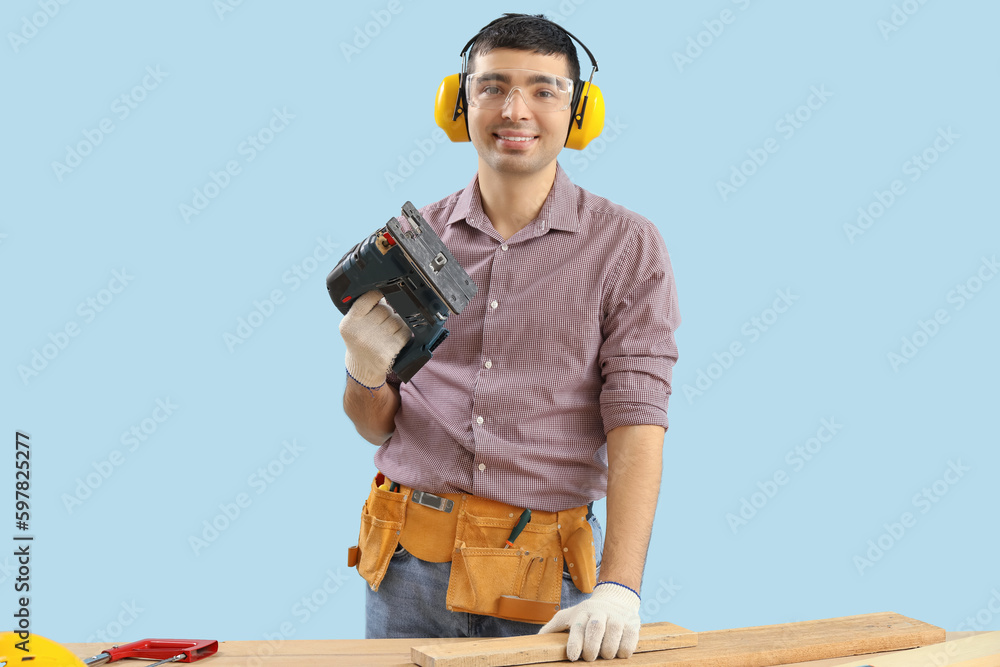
(526, 32)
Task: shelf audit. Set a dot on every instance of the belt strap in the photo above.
(429, 530)
(429, 533)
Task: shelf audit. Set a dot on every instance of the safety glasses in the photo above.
(541, 91)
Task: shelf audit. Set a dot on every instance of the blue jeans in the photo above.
(410, 602)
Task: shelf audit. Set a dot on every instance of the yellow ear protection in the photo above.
(588, 103)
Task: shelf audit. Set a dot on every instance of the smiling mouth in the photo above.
(513, 141)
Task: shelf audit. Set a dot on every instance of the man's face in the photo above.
(492, 130)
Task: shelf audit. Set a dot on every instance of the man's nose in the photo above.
(516, 107)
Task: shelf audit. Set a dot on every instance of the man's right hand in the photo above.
(374, 335)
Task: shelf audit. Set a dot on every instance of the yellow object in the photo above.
(457, 129)
(381, 520)
(444, 109)
(523, 583)
(429, 534)
(41, 652)
(593, 119)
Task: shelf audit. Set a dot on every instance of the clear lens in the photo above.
(541, 91)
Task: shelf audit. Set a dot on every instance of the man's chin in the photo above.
(507, 163)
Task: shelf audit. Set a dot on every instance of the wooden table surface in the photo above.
(351, 653)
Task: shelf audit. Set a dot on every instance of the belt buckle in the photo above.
(434, 502)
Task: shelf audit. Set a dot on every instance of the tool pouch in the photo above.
(522, 583)
(581, 558)
(381, 520)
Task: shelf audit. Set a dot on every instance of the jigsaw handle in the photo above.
(417, 352)
(427, 329)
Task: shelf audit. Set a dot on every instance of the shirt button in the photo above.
(494, 304)
(479, 420)
(482, 467)
(488, 364)
(503, 247)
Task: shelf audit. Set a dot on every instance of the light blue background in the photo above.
(120, 562)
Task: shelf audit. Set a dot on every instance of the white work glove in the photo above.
(374, 335)
(607, 622)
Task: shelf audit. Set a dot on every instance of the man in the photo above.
(567, 346)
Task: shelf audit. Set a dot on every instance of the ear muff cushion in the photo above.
(444, 109)
(593, 120)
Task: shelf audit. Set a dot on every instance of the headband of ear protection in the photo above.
(588, 104)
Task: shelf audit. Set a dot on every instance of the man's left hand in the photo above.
(606, 623)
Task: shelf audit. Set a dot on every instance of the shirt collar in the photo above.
(559, 211)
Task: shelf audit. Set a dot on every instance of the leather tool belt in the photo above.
(523, 583)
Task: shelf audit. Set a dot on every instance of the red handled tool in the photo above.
(163, 650)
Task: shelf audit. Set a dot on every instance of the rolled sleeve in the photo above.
(639, 351)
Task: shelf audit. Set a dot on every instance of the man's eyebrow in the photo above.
(544, 78)
(494, 76)
(505, 78)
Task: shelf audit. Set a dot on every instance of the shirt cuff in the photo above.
(631, 408)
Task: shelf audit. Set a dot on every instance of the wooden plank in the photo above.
(749, 647)
(976, 651)
(839, 662)
(764, 645)
(768, 645)
(531, 649)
